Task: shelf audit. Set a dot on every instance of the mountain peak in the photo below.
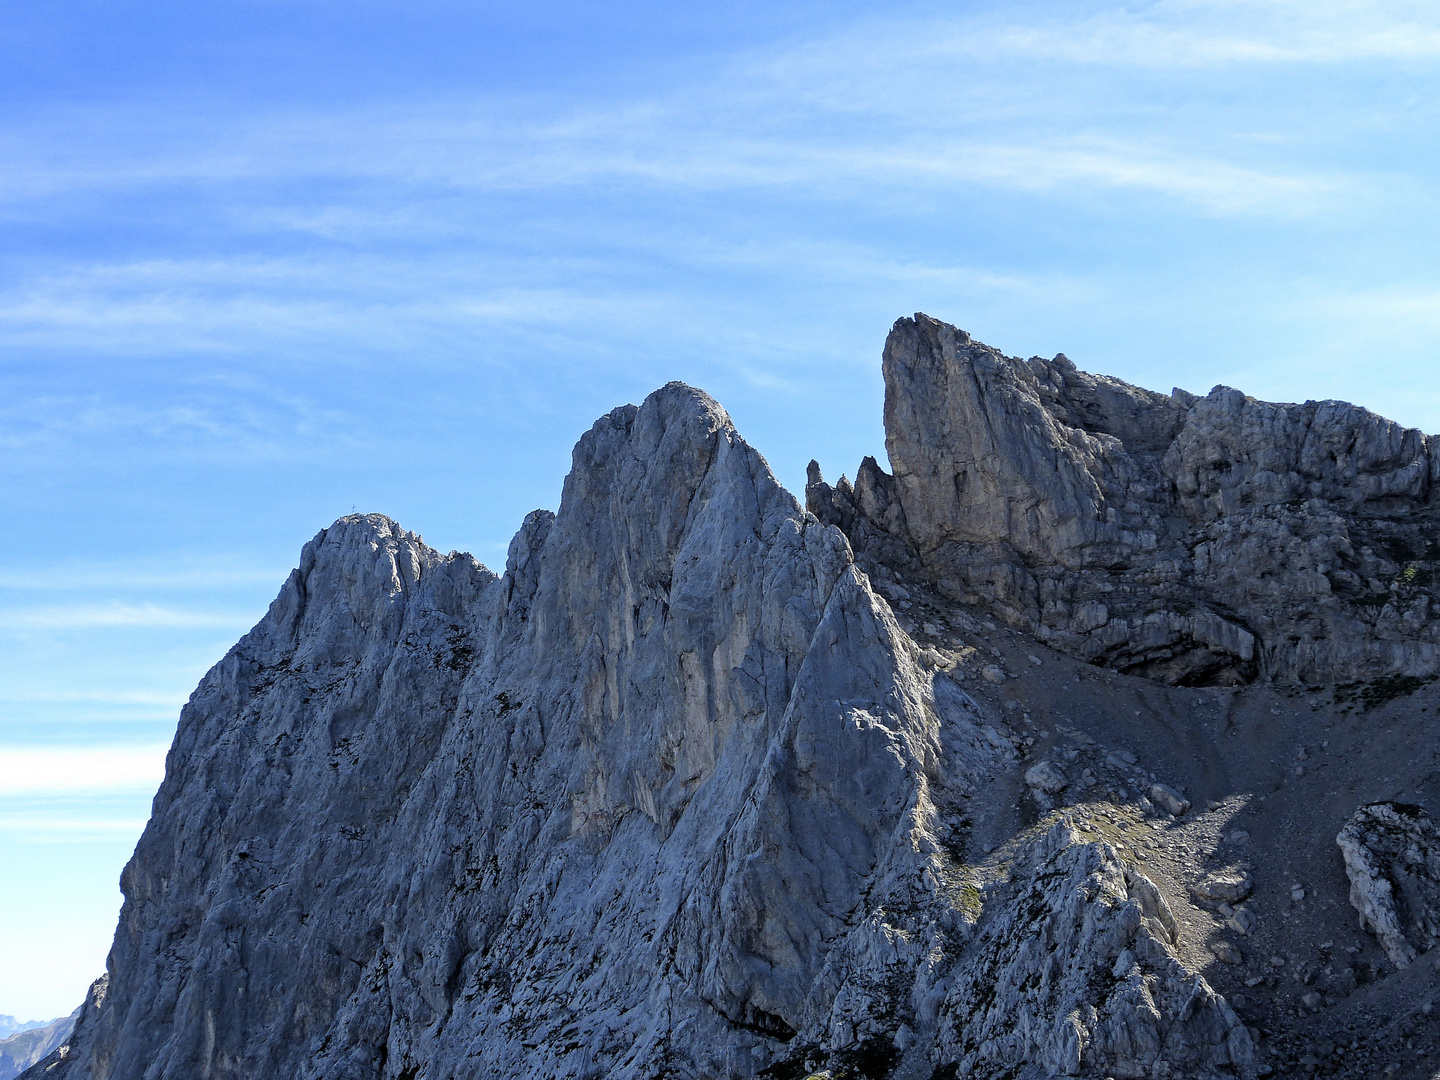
(1049, 495)
(1000, 764)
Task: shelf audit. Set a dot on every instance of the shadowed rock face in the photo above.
(675, 795)
(32, 1043)
(1392, 858)
(1197, 541)
(680, 794)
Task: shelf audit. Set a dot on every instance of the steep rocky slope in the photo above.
(707, 785)
(1204, 541)
(30, 1043)
(10, 1026)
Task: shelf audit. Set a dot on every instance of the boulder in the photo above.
(1168, 799)
(1046, 776)
(1392, 858)
(1229, 886)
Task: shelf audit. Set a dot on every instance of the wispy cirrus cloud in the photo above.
(1191, 34)
(1236, 32)
(86, 616)
(46, 827)
(889, 105)
(30, 770)
(179, 573)
(109, 696)
(1048, 165)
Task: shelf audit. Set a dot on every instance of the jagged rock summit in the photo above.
(707, 785)
(1196, 540)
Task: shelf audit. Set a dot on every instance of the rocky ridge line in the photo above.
(701, 786)
(1195, 540)
(662, 800)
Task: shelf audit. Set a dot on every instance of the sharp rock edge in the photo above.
(682, 794)
(1195, 540)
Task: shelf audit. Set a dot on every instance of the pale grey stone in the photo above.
(1225, 951)
(1168, 799)
(1240, 919)
(663, 799)
(1196, 540)
(1103, 925)
(995, 739)
(1392, 852)
(1230, 886)
(1046, 776)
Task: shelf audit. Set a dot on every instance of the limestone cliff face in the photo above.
(1193, 540)
(673, 796)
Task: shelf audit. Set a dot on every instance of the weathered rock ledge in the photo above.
(1196, 540)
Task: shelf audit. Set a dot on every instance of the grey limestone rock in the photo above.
(1231, 887)
(1392, 857)
(1168, 799)
(1046, 776)
(1226, 951)
(1239, 918)
(1073, 919)
(673, 796)
(1195, 540)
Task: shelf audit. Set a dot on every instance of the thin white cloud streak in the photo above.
(95, 308)
(167, 311)
(767, 120)
(28, 770)
(216, 415)
(1110, 43)
(368, 321)
(1166, 35)
(35, 824)
(1364, 319)
(1417, 308)
(1269, 32)
(116, 697)
(119, 717)
(883, 115)
(184, 576)
(673, 149)
(88, 616)
(1214, 186)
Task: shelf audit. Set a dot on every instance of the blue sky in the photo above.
(262, 263)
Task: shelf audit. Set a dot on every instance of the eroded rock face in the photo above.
(1088, 982)
(1193, 540)
(1066, 965)
(1392, 857)
(674, 796)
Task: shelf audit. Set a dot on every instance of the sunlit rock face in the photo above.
(705, 784)
(1197, 540)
